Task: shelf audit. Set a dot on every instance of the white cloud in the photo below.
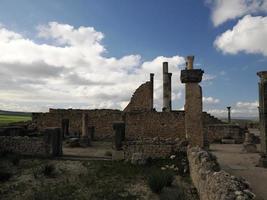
(224, 10)
(248, 35)
(210, 100)
(239, 110)
(69, 69)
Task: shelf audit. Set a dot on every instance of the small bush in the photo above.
(156, 181)
(169, 177)
(49, 170)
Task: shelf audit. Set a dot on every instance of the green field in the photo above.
(6, 119)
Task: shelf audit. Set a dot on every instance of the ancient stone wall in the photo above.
(139, 124)
(24, 145)
(154, 124)
(218, 131)
(213, 183)
(141, 99)
(153, 148)
(102, 120)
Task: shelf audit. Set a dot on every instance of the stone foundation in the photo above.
(153, 148)
(213, 183)
(24, 145)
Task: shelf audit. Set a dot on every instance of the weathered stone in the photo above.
(55, 136)
(119, 137)
(85, 140)
(167, 103)
(229, 114)
(213, 183)
(193, 104)
(263, 116)
(191, 76)
(117, 155)
(138, 159)
(142, 99)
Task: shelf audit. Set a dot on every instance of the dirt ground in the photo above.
(237, 163)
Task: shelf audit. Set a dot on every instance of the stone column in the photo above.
(193, 103)
(152, 90)
(263, 116)
(119, 128)
(85, 137)
(167, 104)
(54, 137)
(229, 114)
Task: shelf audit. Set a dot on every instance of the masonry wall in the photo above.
(102, 120)
(24, 145)
(211, 182)
(218, 131)
(154, 124)
(141, 99)
(139, 124)
(153, 148)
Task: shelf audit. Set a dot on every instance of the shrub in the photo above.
(169, 177)
(49, 170)
(156, 181)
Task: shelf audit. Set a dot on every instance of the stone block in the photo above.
(118, 155)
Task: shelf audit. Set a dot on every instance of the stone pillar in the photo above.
(85, 137)
(229, 114)
(119, 128)
(152, 90)
(193, 103)
(263, 116)
(167, 93)
(54, 137)
(65, 127)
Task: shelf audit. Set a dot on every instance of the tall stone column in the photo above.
(193, 103)
(85, 138)
(229, 114)
(263, 116)
(152, 90)
(167, 93)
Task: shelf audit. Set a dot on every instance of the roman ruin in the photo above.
(263, 116)
(139, 133)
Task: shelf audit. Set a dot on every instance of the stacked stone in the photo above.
(167, 90)
(23, 145)
(193, 103)
(263, 116)
(213, 183)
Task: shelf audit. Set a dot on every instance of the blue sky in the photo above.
(148, 32)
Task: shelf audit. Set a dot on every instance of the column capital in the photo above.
(191, 76)
(262, 75)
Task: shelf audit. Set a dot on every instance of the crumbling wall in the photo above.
(24, 145)
(153, 148)
(141, 99)
(102, 120)
(213, 183)
(154, 124)
(216, 132)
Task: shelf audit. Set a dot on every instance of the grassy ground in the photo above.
(6, 119)
(78, 180)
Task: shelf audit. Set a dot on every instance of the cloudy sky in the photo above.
(94, 54)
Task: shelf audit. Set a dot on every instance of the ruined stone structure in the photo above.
(141, 120)
(229, 114)
(263, 116)
(193, 103)
(211, 182)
